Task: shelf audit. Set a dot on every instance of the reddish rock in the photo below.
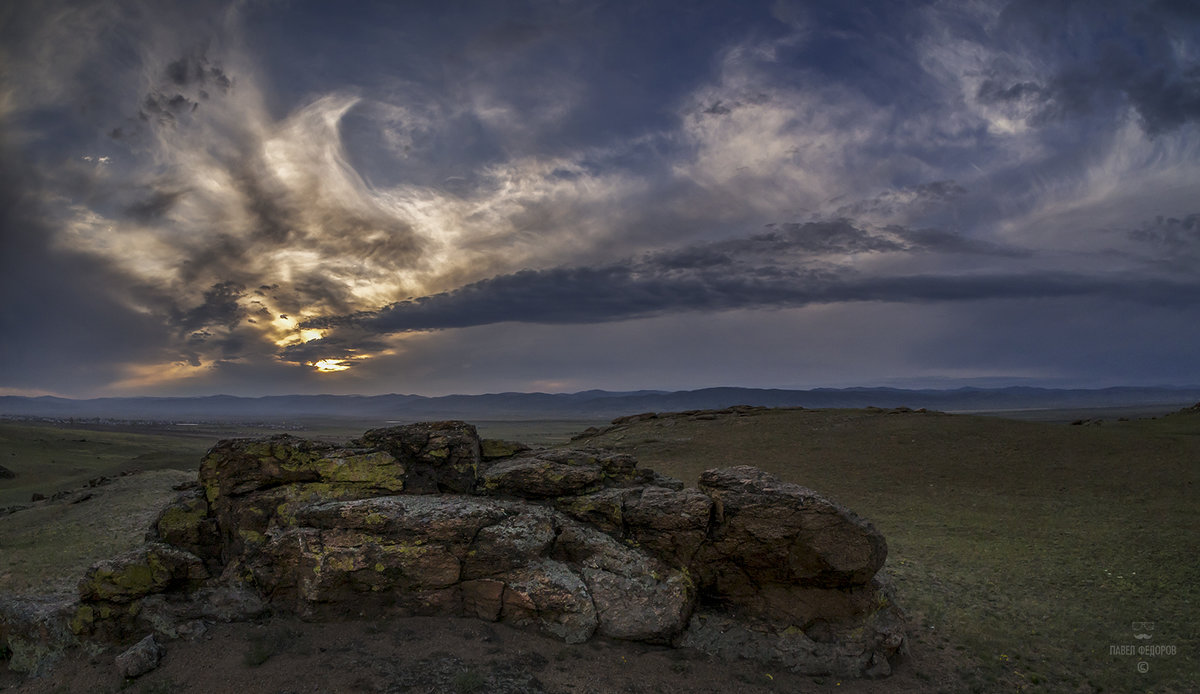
(777, 532)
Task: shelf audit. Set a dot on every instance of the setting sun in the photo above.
(330, 365)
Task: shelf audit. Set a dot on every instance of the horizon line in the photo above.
(646, 391)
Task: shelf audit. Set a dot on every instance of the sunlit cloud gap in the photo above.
(330, 365)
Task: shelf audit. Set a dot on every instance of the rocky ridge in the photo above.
(427, 519)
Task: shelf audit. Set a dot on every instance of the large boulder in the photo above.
(440, 456)
(154, 568)
(539, 477)
(637, 597)
(426, 519)
(187, 524)
(669, 523)
(438, 554)
(35, 632)
(111, 593)
(779, 553)
(778, 532)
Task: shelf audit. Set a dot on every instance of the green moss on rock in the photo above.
(81, 622)
(185, 523)
(492, 449)
(377, 470)
(150, 569)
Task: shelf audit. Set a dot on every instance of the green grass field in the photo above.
(1022, 550)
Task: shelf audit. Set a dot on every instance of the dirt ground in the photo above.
(454, 656)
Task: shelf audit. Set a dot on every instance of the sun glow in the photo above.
(330, 365)
(137, 377)
(288, 334)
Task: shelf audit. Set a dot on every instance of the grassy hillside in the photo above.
(48, 547)
(48, 459)
(1030, 547)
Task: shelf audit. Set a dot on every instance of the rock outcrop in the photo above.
(428, 519)
(141, 658)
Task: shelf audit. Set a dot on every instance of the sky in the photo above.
(273, 197)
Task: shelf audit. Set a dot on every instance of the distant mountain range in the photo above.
(591, 404)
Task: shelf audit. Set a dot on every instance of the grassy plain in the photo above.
(1023, 550)
(1030, 548)
(47, 459)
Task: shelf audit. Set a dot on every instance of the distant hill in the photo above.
(592, 404)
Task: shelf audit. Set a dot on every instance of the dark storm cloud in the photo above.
(64, 322)
(1173, 243)
(183, 84)
(196, 70)
(165, 108)
(156, 204)
(840, 236)
(340, 347)
(893, 202)
(942, 241)
(1172, 232)
(616, 292)
(784, 267)
(273, 218)
(1090, 68)
(1164, 98)
(221, 307)
(210, 256)
(574, 295)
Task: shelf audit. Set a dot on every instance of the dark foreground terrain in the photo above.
(444, 655)
(1023, 552)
